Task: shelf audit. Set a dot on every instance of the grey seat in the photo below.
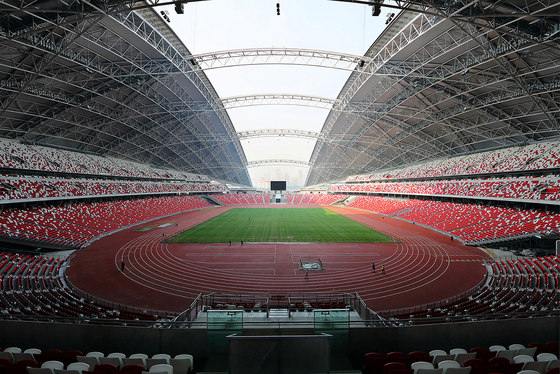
(91, 361)
(463, 370)
(155, 361)
(17, 357)
(31, 370)
(438, 359)
(429, 371)
(540, 366)
(134, 361)
(181, 365)
(110, 360)
(462, 357)
(67, 371)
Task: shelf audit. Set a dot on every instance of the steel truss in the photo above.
(132, 131)
(257, 163)
(448, 78)
(442, 109)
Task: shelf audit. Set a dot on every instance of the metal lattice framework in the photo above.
(459, 87)
(256, 163)
(446, 78)
(115, 86)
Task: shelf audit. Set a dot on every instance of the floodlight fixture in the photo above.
(180, 7)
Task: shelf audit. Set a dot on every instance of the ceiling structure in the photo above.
(445, 78)
(462, 77)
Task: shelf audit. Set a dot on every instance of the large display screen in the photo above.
(278, 185)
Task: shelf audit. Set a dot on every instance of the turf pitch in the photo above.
(308, 225)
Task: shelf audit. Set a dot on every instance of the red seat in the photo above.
(416, 356)
(482, 353)
(501, 365)
(478, 366)
(27, 363)
(552, 347)
(70, 356)
(105, 369)
(374, 362)
(398, 357)
(133, 369)
(396, 368)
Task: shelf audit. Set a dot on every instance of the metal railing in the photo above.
(373, 323)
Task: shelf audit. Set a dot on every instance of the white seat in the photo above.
(52, 364)
(116, 354)
(527, 372)
(13, 350)
(448, 364)
(161, 368)
(513, 347)
(496, 348)
(141, 356)
(79, 366)
(546, 357)
(33, 351)
(521, 359)
(95, 354)
(439, 358)
(456, 351)
(437, 352)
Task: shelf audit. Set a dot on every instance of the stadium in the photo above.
(137, 235)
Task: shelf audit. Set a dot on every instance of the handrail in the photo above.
(192, 311)
(372, 323)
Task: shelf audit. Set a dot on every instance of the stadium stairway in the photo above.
(211, 201)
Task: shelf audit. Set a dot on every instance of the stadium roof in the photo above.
(445, 78)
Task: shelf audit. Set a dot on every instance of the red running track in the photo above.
(422, 267)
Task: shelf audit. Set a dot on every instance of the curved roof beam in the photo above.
(277, 133)
(278, 99)
(256, 163)
(277, 56)
(361, 108)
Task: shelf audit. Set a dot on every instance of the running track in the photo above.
(422, 267)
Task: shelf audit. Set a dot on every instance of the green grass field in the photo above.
(281, 225)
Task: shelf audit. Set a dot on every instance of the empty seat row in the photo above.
(538, 156)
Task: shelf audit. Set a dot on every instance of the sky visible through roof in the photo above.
(219, 25)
